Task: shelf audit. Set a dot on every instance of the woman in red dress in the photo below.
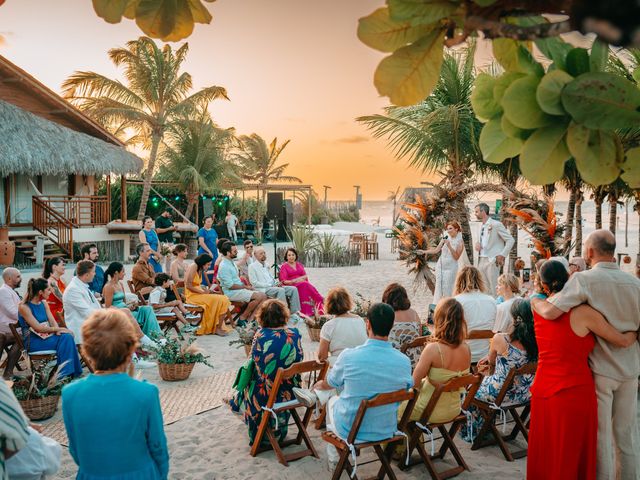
(53, 272)
(564, 411)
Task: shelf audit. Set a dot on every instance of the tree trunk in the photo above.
(613, 211)
(148, 175)
(466, 231)
(598, 213)
(579, 200)
(571, 208)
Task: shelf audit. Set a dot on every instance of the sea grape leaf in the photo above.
(512, 131)
(595, 153)
(549, 90)
(631, 168)
(599, 56)
(502, 83)
(423, 11)
(520, 105)
(495, 145)
(544, 154)
(111, 11)
(556, 49)
(409, 74)
(514, 57)
(382, 33)
(482, 100)
(577, 61)
(601, 100)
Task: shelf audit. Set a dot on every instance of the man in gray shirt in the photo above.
(616, 295)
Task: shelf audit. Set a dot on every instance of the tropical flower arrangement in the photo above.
(165, 249)
(246, 333)
(39, 393)
(361, 305)
(176, 357)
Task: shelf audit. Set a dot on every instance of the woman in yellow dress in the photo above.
(215, 306)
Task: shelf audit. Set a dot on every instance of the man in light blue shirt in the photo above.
(362, 373)
(233, 287)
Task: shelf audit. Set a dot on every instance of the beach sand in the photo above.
(214, 444)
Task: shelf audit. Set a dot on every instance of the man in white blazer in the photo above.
(493, 247)
(78, 300)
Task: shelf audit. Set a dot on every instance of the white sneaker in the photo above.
(140, 363)
(147, 342)
(305, 396)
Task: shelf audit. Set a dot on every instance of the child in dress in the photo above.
(157, 299)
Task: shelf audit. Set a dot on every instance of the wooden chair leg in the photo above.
(343, 463)
(501, 443)
(428, 462)
(488, 420)
(302, 433)
(320, 422)
(276, 447)
(448, 440)
(386, 466)
(264, 422)
(414, 439)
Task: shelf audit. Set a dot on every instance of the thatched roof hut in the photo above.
(31, 145)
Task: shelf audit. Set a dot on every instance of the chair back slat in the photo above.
(415, 343)
(297, 368)
(131, 286)
(480, 334)
(528, 369)
(471, 382)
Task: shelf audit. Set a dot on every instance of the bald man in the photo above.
(9, 301)
(262, 280)
(616, 295)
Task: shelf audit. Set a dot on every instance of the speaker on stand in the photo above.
(275, 201)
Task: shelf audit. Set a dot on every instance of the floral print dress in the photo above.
(492, 384)
(273, 348)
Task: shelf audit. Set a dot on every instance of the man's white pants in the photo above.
(489, 271)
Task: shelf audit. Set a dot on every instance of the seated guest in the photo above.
(345, 330)
(275, 346)
(158, 300)
(78, 300)
(406, 326)
(577, 264)
(114, 422)
(114, 296)
(361, 373)
(262, 280)
(292, 273)
(215, 306)
(53, 272)
(90, 252)
(178, 267)
(479, 308)
(143, 274)
(508, 288)
(447, 357)
(41, 332)
(246, 261)
(9, 303)
(507, 352)
(233, 287)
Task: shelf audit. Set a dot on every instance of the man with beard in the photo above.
(9, 300)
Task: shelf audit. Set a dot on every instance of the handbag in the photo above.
(244, 375)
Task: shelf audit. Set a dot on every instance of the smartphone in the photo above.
(432, 309)
(526, 274)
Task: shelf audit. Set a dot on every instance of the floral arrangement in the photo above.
(166, 249)
(176, 350)
(361, 305)
(43, 382)
(246, 333)
(318, 319)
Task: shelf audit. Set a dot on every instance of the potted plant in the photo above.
(315, 323)
(39, 393)
(361, 305)
(176, 358)
(245, 336)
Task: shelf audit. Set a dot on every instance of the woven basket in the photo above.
(314, 333)
(173, 372)
(40, 408)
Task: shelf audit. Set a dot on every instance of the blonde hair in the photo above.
(469, 279)
(450, 327)
(510, 281)
(108, 338)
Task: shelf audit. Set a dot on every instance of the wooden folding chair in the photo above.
(193, 309)
(238, 307)
(416, 430)
(480, 335)
(273, 408)
(490, 413)
(35, 359)
(383, 448)
(166, 321)
(418, 342)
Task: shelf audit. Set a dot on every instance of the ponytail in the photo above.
(34, 287)
(112, 269)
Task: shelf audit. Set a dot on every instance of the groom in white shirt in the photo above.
(493, 247)
(262, 280)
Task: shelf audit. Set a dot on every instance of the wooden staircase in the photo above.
(26, 249)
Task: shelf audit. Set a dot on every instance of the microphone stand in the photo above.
(275, 246)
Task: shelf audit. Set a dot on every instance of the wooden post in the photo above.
(108, 197)
(309, 208)
(123, 198)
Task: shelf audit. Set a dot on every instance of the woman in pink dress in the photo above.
(292, 273)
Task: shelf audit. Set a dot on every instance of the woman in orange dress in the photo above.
(53, 272)
(215, 306)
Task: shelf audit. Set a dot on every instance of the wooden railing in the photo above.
(81, 211)
(53, 225)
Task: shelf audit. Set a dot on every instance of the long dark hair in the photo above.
(34, 287)
(112, 269)
(523, 327)
(144, 220)
(202, 259)
(553, 275)
(48, 266)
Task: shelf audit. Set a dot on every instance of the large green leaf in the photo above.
(595, 153)
(602, 101)
(631, 168)
(520, 105)
(599, 56)
(482, 100)
(514, 57)
(169, 20)
(410, 73)
(111, 10)
(503, 82)
(512, 131)
(556, 49)
(577, 61)
(549, 90)
(379, 31)
(496, 147)
(544, 154)
(422, 11)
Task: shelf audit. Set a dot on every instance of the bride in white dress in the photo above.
(451, 249)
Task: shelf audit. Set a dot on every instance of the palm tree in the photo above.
(440, 134)
(195, 156)
(393, 197)
(572, 181)
(154, 96)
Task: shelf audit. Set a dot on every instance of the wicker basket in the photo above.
(40, 408)
(173, 372)
(314, 333)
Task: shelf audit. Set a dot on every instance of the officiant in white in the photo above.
(493, 247)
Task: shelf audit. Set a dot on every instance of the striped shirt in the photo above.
(13, 426)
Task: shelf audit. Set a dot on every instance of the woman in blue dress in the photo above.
(507, 351)
(208, 238)
(149, 235)
(274, 346)
(40, 332)
(114, 296)
(114, 422)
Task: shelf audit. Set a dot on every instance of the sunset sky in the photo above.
(294, 69)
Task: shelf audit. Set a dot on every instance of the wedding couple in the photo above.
(493, 247)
